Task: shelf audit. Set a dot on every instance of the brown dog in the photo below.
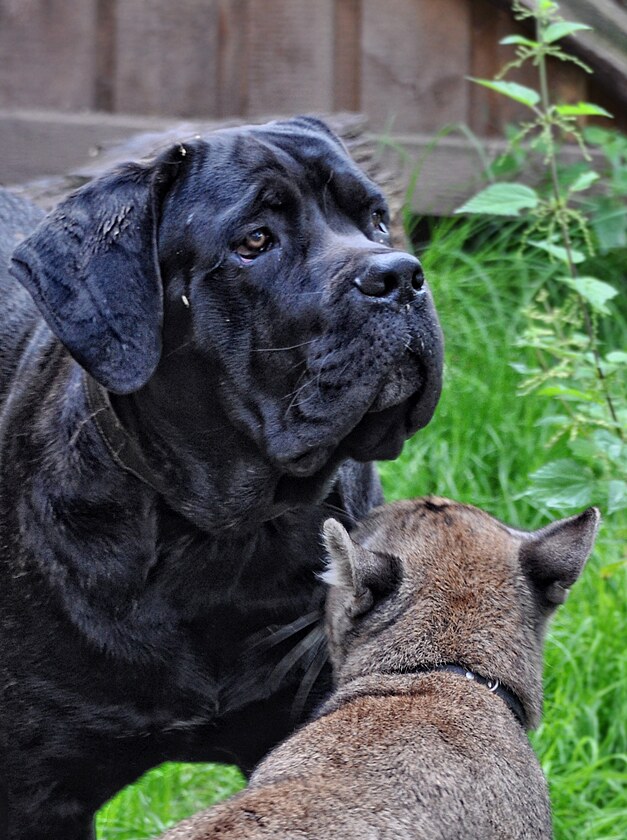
(436, 616)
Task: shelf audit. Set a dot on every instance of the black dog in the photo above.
(227, 340)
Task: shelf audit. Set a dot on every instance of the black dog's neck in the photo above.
(222, 481)
(122, 446)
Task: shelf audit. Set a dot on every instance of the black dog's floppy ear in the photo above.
(92, 269)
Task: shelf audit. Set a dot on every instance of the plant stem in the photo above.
(560, 205)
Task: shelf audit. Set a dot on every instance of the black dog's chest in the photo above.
(211, 611)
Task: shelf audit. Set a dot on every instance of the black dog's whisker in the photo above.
(343, 514)
(314, 669)
(269, 638)
(177, 349)
(83, 423)
(295, 394)
(292, 658)
(277, 349)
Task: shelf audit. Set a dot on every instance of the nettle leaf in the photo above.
(524, 369)
(553, 420)
(558, 251)
(617, 357)
(501, 200)
(596, 292)
(566, 393)
(585, 180)
(583, 449)
(616, 496)
(582, 109)
(519, 93)
(519, 40)
(610, 444)
(609, 223)
(561, 29)
(562, 484)
(597, 136)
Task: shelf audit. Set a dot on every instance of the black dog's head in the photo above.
(258, 261)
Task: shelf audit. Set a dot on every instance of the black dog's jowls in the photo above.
(227, 341)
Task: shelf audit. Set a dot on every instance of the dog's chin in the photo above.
(382, 432)
(378, 436)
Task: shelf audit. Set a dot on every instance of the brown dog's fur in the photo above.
(401, 750)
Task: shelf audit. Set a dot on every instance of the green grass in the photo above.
(480, 448)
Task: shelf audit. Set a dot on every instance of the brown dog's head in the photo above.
(431, 582)
(248, 275)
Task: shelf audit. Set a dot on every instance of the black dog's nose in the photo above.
(391, 275)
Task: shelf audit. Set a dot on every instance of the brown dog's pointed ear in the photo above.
(368, 575)
(91, 267)
(554, 556)
(341, 551)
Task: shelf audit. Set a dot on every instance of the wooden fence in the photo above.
(403, 63)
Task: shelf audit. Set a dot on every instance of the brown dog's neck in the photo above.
(406, 682)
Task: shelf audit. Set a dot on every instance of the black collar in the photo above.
(513, 702)
(122, 447)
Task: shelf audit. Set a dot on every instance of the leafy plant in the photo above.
(569, 355)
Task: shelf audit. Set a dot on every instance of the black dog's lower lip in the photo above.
(381, 434)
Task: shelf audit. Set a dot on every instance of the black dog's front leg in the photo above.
(53, 830)
(61, 821)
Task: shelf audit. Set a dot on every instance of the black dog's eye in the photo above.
(378, 222)
(255, 243)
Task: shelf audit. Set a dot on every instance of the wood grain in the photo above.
(167, 57)
(290, 56)
(47, 53)
(414, 59)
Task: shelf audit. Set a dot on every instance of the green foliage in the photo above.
(501, 200)
(519, 93)
(166, 795)
(566, 326)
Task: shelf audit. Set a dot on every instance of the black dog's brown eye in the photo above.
(378, 223)
(255, 243)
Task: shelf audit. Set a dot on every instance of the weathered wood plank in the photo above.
(414, 59)
(38, 144)
(105, 55)
(47, 53)
(449, 171)
(41, 143)
(347, 56)
(232, 63)
(166, 57)
(490, 112)
(290, 56)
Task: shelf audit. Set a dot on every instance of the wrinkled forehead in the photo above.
(300, 152)
(420, 526)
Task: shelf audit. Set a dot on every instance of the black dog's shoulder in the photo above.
(18, 314)
(18, 218)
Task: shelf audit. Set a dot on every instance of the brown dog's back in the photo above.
(410, 746)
